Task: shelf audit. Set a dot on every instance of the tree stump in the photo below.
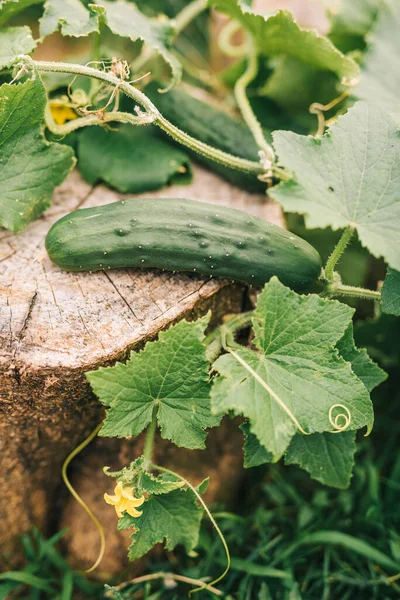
(54, 326)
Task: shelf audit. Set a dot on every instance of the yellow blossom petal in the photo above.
(124, 501)
(111, 499)
(62, 113)
(131, 510)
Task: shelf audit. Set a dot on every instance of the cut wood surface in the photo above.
(55, 325)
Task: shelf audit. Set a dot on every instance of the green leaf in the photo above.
(170, 376)
(363, 366)
(327, 457)
(391, 293)
(300, 367)
(124, 19)
(254, 453)
(138, 477)
(10, 8)
(30, 167)
(13, 42)
(380, 76)
(70, 16)
(173, 518)
(279, 35)
(347, 177)
(131, 160)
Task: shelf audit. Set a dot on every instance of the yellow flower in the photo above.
(61, 113)
(124, 501)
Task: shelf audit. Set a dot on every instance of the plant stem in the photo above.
(205, 586)
(166, 576)
(75, 494)
(337, 253)
(149, 441)
(213, 340)
(245, 107)
(187, 14)
(234, 162)
(228, 160)
(354, 292)
(93, 119)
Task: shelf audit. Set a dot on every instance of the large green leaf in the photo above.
(327, 457)
(254, 453)
(131, 159)
(347, 177)
(30, 167)
(297, 370)
(363, 366)
(126, 20)
(13, 42)
(174, 518)
(71, 16)
(170, 377)
(391, 293)
(278, 34)
(380, 76)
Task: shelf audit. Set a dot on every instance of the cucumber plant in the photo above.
(297, 379)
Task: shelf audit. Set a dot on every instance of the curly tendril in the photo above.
(335, 421)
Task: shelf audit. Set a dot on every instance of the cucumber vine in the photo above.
(295, 376)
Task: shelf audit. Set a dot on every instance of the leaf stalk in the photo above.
(337, 253)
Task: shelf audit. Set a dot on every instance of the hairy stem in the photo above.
(214, 341)
(223, 158)
(187, 14)
(93, 119)
(204, 586)
(337, 253)
(245, 107)
(149, 441)
(354, 292)
(225, 44)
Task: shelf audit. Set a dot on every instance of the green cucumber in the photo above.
(213, 127)
(182, 235)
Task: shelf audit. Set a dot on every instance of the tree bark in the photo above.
(55, 325)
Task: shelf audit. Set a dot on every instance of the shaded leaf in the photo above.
(126, 20)
(380, 75)
(363, 366)
(347, 177)
(30, 167)
(391, 293)
(70, 16)
(254, 453)
(13, 42)
(131, 159)
(327, 457)
(278, 34)
(10, 8)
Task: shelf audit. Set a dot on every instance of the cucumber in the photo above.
(182, 235)
(213, 127)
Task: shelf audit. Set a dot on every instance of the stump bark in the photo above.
(54, 326)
